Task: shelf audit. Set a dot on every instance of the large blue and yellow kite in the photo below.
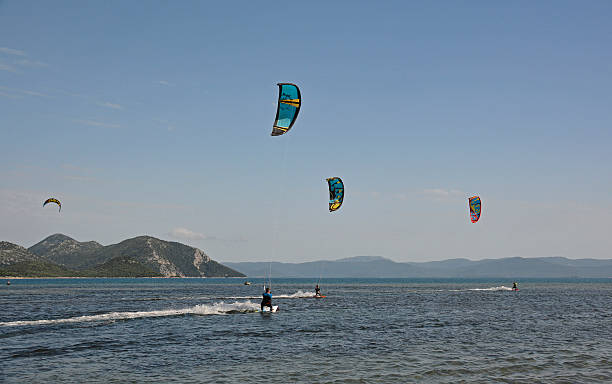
(289, 102)
(336, 193)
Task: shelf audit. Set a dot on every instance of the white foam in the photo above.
(501, 288)
(240, 297)
(298, 295)
(220, 308)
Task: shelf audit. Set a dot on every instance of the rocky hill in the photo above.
(15, 260)
(12, 253)
(63, 250)
(169, 259)
(121, 266)
(143, 256)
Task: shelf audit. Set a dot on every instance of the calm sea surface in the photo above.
(365, 331)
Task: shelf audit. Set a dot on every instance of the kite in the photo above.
(336, 193)
(53, 200)
(289, 102)
(474, 208)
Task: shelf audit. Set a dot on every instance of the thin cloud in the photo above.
(186, 234)
(110, 105)
(8, 68)
(80, 178)
(400, 196)
(20, 201)
(73, 167)
(97, 124)
(3, 94)
(164, 82)
(169, 125)
(442, 193)
(25, 92)
(30, 63)
(22, 62)
(10, 51)
(72, 94)
(78, 173)
(33, 93)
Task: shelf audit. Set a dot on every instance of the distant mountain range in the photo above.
(375, 266)
(143, 256)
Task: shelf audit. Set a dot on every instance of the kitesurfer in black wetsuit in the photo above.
(317, 290)
(515, 286)
(267, 299)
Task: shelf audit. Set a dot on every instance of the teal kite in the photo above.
(289, 102)
(336, 193)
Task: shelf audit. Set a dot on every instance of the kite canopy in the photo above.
(289, 102)
(336, 193)
(474, 208)
(53, 200)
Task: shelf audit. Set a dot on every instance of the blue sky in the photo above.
(155, 118)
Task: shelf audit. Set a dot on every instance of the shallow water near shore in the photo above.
(365, 331)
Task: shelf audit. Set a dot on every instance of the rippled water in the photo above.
(365, 331)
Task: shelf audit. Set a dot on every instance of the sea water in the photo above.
(365, 331)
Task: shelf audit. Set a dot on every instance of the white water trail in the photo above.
(501, 288)
(298, 295)
(220, 308)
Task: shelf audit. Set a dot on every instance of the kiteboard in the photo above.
(319, 296)
(267, 309)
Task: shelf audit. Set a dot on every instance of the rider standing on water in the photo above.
(317, 290)
(267, 299)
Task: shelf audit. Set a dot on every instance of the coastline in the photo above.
(117, 277)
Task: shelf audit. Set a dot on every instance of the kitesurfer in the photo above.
(267, 299)
(317, 291)
(515, 286)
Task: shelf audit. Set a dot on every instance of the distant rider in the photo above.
(317, 290)
(515, 286)
(267, 299)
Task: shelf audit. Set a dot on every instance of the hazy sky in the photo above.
(155, 118)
